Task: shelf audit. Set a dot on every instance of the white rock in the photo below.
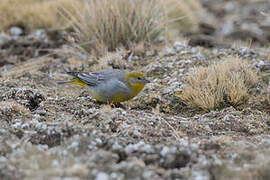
(15, 31)
(102, 176)
(165, 150)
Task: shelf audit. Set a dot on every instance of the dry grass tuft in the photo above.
(33, 14)
(107, 25)
(219, 85)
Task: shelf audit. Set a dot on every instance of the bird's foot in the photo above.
(118, 105)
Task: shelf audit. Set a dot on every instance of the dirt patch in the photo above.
(14, 49)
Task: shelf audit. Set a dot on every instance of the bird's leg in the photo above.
(99, 103)
(118, 105)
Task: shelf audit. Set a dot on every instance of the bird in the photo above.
(110, 85)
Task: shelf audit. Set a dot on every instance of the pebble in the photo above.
(41, 112)
(263, 66)
(102, 176)
(15, 31)
(39, 33)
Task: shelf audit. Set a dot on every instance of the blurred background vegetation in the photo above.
(104, 25)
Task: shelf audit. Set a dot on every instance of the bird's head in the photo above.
(137, 80)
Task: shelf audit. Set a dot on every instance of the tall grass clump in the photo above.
(105, 25)
(222, 84)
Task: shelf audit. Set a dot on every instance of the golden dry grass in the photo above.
(107, 25)
(33, 14)
(222, 84)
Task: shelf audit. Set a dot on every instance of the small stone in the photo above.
(181, 71)
(170, 51)
(175, 160)
(148, 174)
(179, 45)
(200, 175)
(41, 112)
(102, 176)
(147, 148)
(77, 170)
(263, 66)
(16, 31)
(4, 37)
(161, 39)
(134, 147)
(150, 53)
(229, 7)
(40, 33)
(164, 151)
(252, 27)
(227, 28)
(83, 57)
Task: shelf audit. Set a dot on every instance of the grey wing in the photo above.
(90, 78)
(95, 77)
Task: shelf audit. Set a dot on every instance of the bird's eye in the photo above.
(139, 78)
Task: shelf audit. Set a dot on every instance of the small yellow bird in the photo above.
(110, 85)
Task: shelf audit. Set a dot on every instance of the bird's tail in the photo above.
(76, 81)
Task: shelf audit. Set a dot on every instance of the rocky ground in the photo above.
(50, 131)
(224, 23)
